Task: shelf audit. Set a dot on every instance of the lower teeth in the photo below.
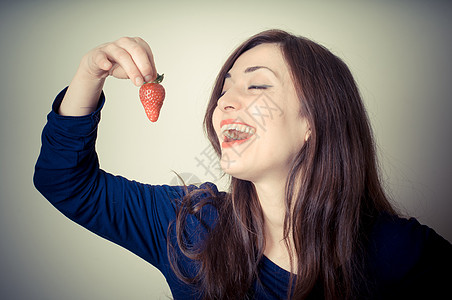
(235, 135)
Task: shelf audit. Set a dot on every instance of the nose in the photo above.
(230, 101)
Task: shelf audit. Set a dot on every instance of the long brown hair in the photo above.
(333, 191)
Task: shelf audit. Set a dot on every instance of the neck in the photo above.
(272, 200)
(271, 197)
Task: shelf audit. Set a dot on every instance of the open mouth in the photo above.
(235, 133)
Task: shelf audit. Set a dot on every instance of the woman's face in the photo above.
(257, 119)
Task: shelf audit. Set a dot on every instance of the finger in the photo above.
(153, 74)
(121, 57)
(101, 61)
(141, 54)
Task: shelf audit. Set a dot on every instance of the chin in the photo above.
(233, 170)
(238, 173)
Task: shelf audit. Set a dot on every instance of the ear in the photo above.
(307, 135)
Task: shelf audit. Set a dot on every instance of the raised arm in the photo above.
(67, 173)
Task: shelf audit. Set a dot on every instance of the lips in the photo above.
(235, 132)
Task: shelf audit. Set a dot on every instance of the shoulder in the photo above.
(399, 238)
(393, 234)
(196, 193)
(205, 195)
(169, 201)
(197, 204)
(404, 253)
(206, 190)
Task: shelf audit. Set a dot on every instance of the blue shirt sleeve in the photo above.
(131, 214)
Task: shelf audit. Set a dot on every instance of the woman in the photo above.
(305, 216)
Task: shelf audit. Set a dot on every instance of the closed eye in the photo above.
(252, 87)
(259, 87)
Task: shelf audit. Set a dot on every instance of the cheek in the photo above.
(216, 118)
(298, 135)
(286, 134)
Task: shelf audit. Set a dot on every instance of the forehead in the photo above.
(267, 55)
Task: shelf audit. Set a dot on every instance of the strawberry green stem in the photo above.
(159, 78)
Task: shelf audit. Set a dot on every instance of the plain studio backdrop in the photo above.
(398, 51)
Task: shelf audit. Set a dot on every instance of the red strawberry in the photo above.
(152, 95)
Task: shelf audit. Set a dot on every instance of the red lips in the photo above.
(232, 121)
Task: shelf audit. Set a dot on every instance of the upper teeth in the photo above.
(238, 127)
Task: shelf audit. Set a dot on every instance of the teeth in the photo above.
(237, 131)
(238, 127)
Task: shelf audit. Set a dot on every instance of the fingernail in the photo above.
(148, 78)
(138, 81)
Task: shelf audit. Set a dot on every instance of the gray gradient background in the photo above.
(399, 52)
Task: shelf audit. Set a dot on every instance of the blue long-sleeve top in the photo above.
(405, 258)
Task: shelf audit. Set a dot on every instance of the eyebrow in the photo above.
(252, 69)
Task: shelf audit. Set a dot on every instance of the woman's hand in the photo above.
(125, 58)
